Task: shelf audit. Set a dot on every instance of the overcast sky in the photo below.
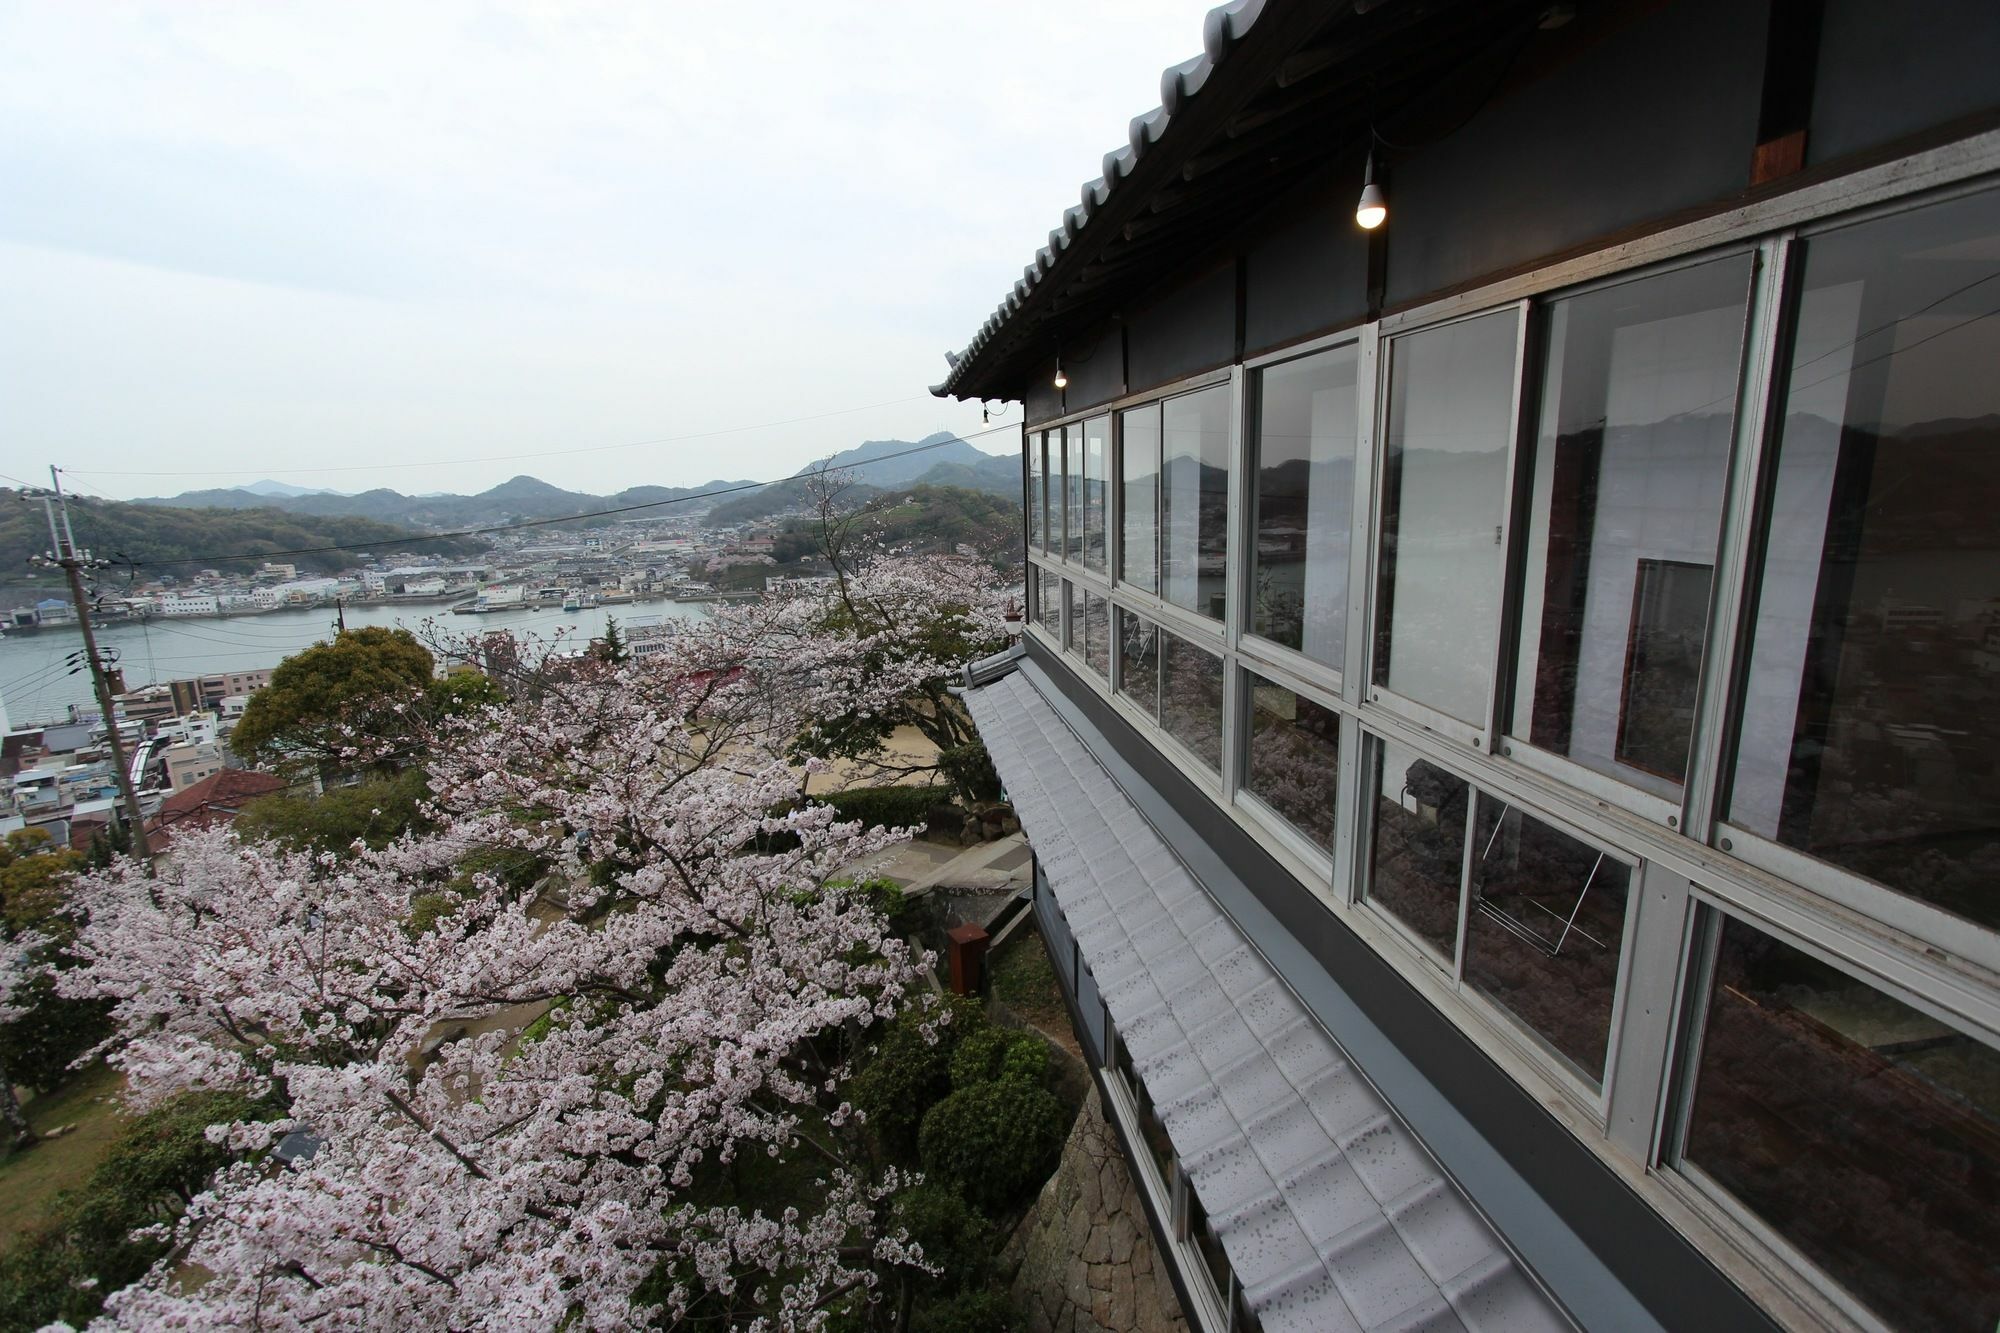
(242, 240)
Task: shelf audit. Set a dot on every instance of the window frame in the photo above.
(1688, 862)
(1745, 450)
(1694, 1186)
(1476, 734)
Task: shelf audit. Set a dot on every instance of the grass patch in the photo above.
(1025, 981)
(32, 1177)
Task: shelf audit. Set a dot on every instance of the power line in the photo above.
(511, 458)
(399, 541)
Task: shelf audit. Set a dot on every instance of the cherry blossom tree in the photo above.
(517, 1054)
(20, 968)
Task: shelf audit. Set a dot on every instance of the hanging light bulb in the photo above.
(1372, 209)
(1062, 380)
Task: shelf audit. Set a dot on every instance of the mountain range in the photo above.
(941, 459)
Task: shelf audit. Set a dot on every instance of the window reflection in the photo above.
(1194, 500)
(1444, 489)
(1417, 854)
(1638, 407)
(1096, 634)
(1072, 617)
(1096, 444)
(1304, 469)
(1139, 662)
(1871, 721)
(1191, 698)
(1072, 438)
(1139, 471)
(1035, 450)
(1292, 760)
(1545, 930)
(1865, 1132)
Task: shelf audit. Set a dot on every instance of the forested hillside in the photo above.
(147, 534)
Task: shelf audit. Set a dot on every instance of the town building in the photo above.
(1506, 722)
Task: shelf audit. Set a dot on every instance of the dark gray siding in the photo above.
(1191, 327)
(1890, 70)
(1661, 116)
(1308, 273)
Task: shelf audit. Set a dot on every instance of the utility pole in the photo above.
(72, 562)
(339, 614)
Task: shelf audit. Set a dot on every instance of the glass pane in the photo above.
(1073, 490)
(1444, 498)
(1212, 1257)
(1159, 1145)
(1417, 853)
(1032, 593)
(1545, 931)
(1194, 500)
(1073, 626)
(1097, 635)
(1034, 452)
(1631, 464)
(1293, 758)
(1863, 1131)
(1304, 468)
(1191, 698)
(1139, 454)
(1096, 453)
(1139, 662)
(1872, 706)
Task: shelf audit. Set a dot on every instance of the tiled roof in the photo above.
(228, 791)
(1333, 1215)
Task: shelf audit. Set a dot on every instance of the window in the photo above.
(1097, 635)
(1191, 698)
(1663, 665)
(1862, 1130)
(1139, 662)
(1871, 715)
(1139, 473)
(1304, 470)
(1073, 623)
(1094, 437)
(1036, 449)
(1638, 408)
(1072, 438)
(1292, 758)
(1194, 500)
(1417, 854)
(1032, 589)
(1444, 503)
(1545, 931)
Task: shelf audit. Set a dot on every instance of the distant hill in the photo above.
(936, 460)
(118, 531)
(282, 488)
(511, 501)
(895, 462)
(881, 465)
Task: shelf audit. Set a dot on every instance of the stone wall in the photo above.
(1088, 1262)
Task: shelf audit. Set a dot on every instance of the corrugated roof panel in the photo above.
(1329, 1209)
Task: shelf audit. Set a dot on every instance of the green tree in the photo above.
(371, 681)
(376, 811)
(611, 648)
(48, 1031)
(85, 1249)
